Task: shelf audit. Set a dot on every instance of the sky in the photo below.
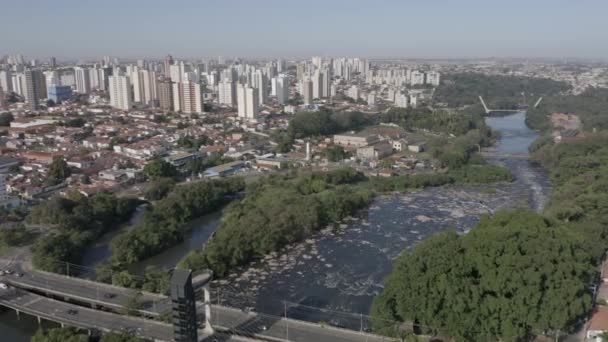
(302, 28)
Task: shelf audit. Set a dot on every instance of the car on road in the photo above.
(72, 312)
(17, 274)
(8, 272)
(109, 295)
(3, 286)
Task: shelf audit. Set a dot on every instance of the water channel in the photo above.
(342, 268)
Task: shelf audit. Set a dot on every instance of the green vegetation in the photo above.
(458, 90)
(194, 142)
(159, 188)
(591, 106)
(158, 168)
(76, 222)
(437, 121)
(513, 275)
(59, 171)
(15, 236)
(6, 119)
(60, 335)
(133, 304)
(278, 211)
(165, 224)
(74, 335)
(579, 173)
(336, 153)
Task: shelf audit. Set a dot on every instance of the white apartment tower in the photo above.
(307, 91)
(192, 94)
(120, 92)
(83, 83)
(227, 93)
(248, 101)
(282, 89)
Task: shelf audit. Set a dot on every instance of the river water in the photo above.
(342, 268)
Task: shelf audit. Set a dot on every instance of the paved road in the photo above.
(248, 324)
(78, 316)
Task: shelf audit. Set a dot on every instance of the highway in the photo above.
(81, 317)
(234, 320)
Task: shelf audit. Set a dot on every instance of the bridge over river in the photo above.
(92, 305)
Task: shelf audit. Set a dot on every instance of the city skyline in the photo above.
(233, 28)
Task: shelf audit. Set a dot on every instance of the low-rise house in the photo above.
(225, 169)
(181, 158)
(598, 324)
(375, 151)
(270, 163)
(355, 140)
(399, 145)
(416, 147)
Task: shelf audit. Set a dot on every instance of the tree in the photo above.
(335, 153)
(159, 168)
(60, 335)
(50, 103)
(6, 119)
(59, 171)
(120, 337)
(159, 188)
(512, 275)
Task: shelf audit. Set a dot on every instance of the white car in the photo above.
(3, 286)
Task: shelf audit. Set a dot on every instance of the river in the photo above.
(342, 268)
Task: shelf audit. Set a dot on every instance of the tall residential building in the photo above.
(32, 81)
(83, 83)
(52, 78)
(248, 101)
(6, 81)
(1, 98)
(137, 80)
(59, 93)
(282, 89)
(325, 83)
(432, 78)
(353, 92)
(53, 62)
(165, 94)
(417, 77)
(307, 91)
(317, 84)
(192, 94)
(168, 63)
(150, 86)
(178, 99)
(227, 93)
(120, 92)
(301, 71)
(260, 82)
(402, 101)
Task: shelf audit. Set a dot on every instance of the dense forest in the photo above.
(76, 221)
(591, 106)
(165, 224)
(437, 121)
(464, 89)
(515, 274)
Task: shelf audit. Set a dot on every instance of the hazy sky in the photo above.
(372, 28)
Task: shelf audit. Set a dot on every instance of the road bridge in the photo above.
(112, 298)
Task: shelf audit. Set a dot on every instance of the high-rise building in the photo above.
(165, 94)
(433, 78)
(6, 81)
(260, 82)
(183, 304)
(282, 89)
(227, 93)
(52, 78)
(307, 91)
(32, 81)
(120, 92)
(2, 104)
(402, 101)
(353, 92)
(325, 83)
(317, 84)
(168, 63)
(178, 99)
(59, 93)
(301, 71)
(150, 86)
(417, 77)
(83, 83)
(371, 98)
(248, 101)
(192, 94)
(52, 62)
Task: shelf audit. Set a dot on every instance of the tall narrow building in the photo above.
(227, 93)
(120, 92)
(1, 98)
(192, 94)
(307, 91)
(248, 101)
(32, 81)
(83, 83)
(282, 89)
(260, 82)
(165, 94)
